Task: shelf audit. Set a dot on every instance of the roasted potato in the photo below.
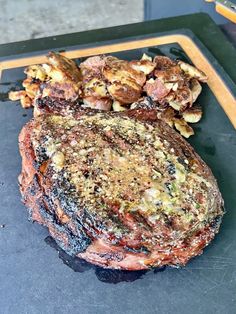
(31, 88)
(117, 106)
(124, 93)
(163, 62)
(192, 115)
(146, 57)
(192, 72)
(16, 95)
(156, 89)
(98, 103)
(63, 67)
(108, 83)
(144, 66)
(168, 115)
(36, 72)
(195, 88)
(95, 87)
(122, 72)
(182, 126)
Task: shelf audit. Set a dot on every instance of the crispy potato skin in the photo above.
(108, 83)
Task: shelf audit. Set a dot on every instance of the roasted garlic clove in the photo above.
(180, 99)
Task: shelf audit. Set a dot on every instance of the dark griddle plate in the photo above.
(33, 279)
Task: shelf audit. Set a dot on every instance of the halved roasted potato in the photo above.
(192, 72)
(195, 88)
(124, 93)
(66, 67)
(182, 126)
(192, 115)
(144, 66)
(173, 74)
(92, 64)
(122, 71)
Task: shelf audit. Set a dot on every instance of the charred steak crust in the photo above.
(121, 190)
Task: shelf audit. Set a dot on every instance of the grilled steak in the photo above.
(120, 190)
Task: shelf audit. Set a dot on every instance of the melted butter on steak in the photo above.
(127, 169)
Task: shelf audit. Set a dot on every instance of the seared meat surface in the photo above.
(121, 190)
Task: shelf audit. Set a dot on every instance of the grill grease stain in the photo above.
(210, 150)
(6, 87)
(179, 54)
(105, 275)
(4, 97)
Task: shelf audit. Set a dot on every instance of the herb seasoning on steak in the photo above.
(120, 190)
